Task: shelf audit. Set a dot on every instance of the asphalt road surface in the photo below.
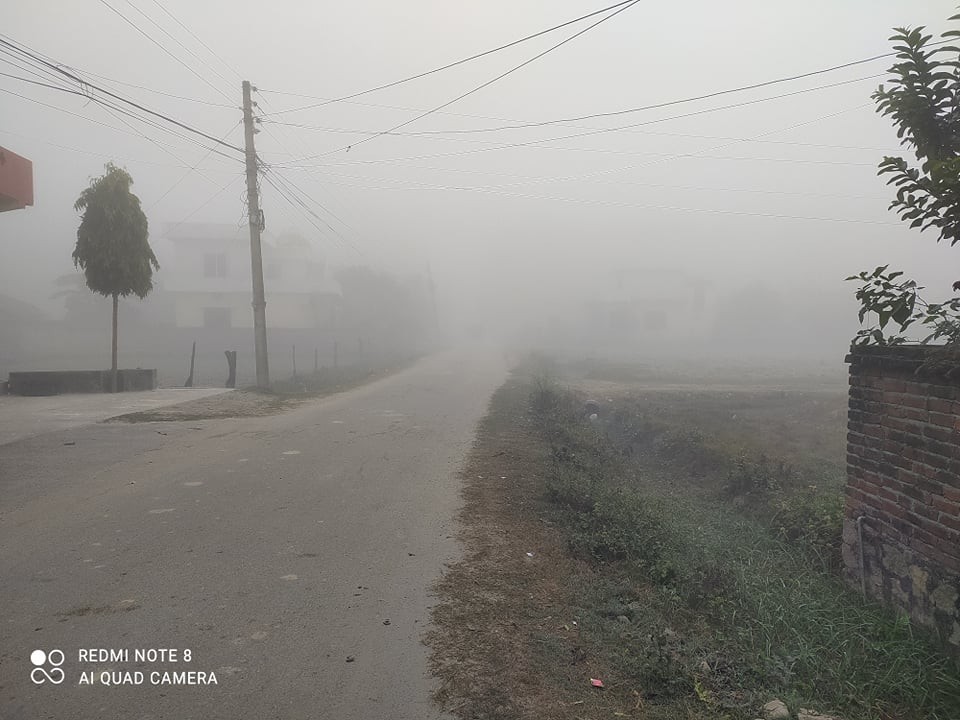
(291, 555)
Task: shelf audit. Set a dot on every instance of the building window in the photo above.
(216, 318)
(215, 265)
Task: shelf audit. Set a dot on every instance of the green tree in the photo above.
(112, 247)
(923, 100)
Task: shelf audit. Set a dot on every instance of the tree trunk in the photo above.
(113, 366)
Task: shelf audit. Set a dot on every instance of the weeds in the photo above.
(758, 618)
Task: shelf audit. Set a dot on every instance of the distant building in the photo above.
(16, 181)
(210, 280)
(648, 302)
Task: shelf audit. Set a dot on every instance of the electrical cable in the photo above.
(193, 168)
(177, 41)
(161, 46)
(598, 131)
(614, 203)
(195, 37)
(295, 196)
(200, 207)
(453, 64)
(86, 84)
(539, 55)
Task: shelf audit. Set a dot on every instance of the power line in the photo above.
(453, 64)
(742, 88)
(177, 41)
(429, 136)
(70, 112)
(539, 55)
(438, 134)
(193, 168)
(84, 84)
(620, 182)
(295, 197)
(596, 131)
(159, 45)
(162, 92)
(113, 109)
(671, 103)
(614, 203)
(200, 207)
(701, 153)
(42, 84)
(195, 37)
(304, 126)
(99, 154)
(47, 72)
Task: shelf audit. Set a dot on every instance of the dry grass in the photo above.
(508, 640)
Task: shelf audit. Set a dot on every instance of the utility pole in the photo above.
(255, 221)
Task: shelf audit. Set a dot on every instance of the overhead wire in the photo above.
(621, 182)
(597, 131)
(42, 71)
(85, 85)
(111, 109)
(695, 98)
(615, 203)
(82, 151)
(526, 62)
(197, 38)
(162, 47)
(204, 204)
(177, 41)
(193, 168)
(454, 64)
(297, 201)
(327, 210)
(299, 204)
(296, 198)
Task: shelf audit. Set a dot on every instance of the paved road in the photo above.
(275, 549)
(23, 417)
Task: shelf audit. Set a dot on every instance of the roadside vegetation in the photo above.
(696, 562)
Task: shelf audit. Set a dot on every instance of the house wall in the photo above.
(903, 483)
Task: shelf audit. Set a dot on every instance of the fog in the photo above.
(723, 232)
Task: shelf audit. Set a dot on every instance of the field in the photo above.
(682, 546)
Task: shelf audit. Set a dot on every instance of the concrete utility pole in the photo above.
(255, 221)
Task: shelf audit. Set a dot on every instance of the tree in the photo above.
(112, 247)
(924, 102)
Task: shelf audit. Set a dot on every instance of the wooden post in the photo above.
(231, 368)
(193, 357)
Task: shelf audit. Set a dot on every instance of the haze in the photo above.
(758, 211)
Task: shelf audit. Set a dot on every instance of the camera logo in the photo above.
(40, 674)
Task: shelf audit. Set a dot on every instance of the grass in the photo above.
(699, 601)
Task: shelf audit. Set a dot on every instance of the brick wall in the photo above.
(903, 480)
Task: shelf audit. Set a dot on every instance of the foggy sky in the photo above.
(501, 229)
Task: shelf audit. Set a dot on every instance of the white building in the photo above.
(210, 280)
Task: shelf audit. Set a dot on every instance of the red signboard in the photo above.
(16, 181)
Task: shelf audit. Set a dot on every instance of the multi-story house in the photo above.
(209, 279)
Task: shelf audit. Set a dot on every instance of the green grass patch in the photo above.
(698, 599)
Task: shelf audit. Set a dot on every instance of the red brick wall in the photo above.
(903, 479)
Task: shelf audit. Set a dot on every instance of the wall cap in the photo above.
(941, 361)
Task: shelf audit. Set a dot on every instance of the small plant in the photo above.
(922, 100)
(888, 297)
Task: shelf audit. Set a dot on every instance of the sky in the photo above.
(781, 192)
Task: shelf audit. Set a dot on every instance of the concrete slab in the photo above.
(23, 417)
